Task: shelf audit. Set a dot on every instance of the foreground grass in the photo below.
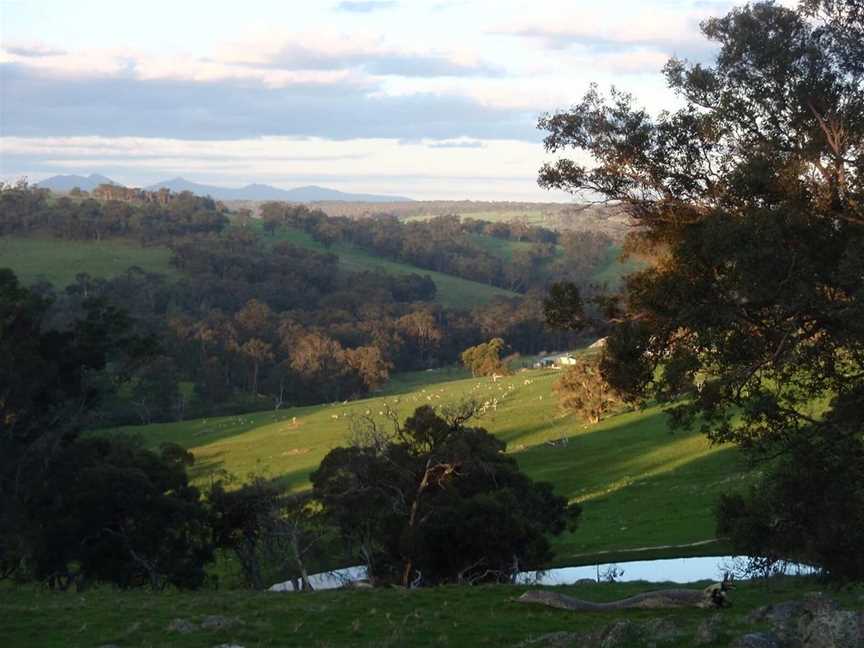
(443, 616)
(58, 261)
(640, 485)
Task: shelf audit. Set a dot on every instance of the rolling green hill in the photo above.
(610, 272)
(641, 486)
(501, 248)
(613, 270)
(452, 291)
(58, 261)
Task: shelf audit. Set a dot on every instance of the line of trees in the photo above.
(450, 245)
(250, 327)
(27, 210)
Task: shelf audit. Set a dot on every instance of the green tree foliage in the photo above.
(252, 320)
(583, 390)
(149, 216)
(446, 244)
(485, 359)
(74, 509)
(563, 307)
(271, 532)
(109, 511)
(155, 391)
(437, 501)
(810, 508)
(752, 194)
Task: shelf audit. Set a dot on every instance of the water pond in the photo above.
(668, 570)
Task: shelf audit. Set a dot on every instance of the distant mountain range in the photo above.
(69, 182)
(249, 192)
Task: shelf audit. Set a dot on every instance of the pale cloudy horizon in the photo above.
(430, 99)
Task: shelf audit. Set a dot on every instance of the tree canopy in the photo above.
(751, 322)
(434, 499)
(485, 359)
(76, 509)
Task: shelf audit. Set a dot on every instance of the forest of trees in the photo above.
(449, 244)
(29, 210)
(253, 321)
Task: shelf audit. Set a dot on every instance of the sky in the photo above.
(434, 99)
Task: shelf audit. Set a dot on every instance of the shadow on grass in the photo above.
(196, 433)
(631, 425)
(206, 466)
(639, 519)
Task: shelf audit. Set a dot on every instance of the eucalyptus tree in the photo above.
(751, 194)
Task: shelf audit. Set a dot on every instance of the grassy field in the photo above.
(442, 616)
(59, 261)
(640, 485)
(501, 248)
(452, 291)
(613, 269)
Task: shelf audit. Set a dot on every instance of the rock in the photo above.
(630, 634)
(757, 640)
(660, 631)
(818, 603)
(708, 631)
(779, 615)
(182, 626)
(815, 622)
(554, 640)
(216, 622)
(622, 634)
(831, 628)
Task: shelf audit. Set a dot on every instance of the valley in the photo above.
(641, 486)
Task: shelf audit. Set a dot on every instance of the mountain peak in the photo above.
(68, 182)
(253, 191)
(258, 191)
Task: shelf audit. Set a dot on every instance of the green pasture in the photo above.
(456, 616)
(645, 491)
(58, 261)
(501, 248)
(613, 269)
(452, 291)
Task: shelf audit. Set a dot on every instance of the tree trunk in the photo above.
(412, 519)
(298, 559)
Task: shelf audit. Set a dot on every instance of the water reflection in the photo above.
(667, 570)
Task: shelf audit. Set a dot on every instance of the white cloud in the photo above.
(417, 94)
(433, 169)
(673, 29)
